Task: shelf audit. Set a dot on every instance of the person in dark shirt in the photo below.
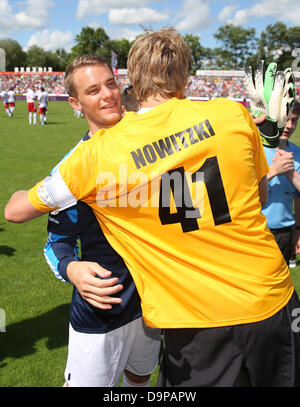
(104, 342)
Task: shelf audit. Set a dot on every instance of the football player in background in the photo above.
(104, 344)
(31, 98)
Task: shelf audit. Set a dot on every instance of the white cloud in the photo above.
(227, 12)
(127, 33)
(127, 16)
(282, 10)
(96, 7)
(196, 16)
(50, 41)
(240, 17)
(6, 19)
(34, 14)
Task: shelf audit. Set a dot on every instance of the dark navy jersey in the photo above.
(65, 229)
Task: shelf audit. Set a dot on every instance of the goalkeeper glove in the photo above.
(288, 98)
(266, 89)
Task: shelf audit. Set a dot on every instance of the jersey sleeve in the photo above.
(72, 181)
(62, 244)
(51, 193)
(261, 164)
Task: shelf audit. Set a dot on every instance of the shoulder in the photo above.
(79, 158)
(222, 104)
(66, 156)
(294, 147)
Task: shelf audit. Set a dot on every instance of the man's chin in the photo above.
(113, 119)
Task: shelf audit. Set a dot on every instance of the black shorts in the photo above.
(268, 352)
(285, 239)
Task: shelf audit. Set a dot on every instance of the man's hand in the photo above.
(97, 291)
(283, 163)
(259, 120)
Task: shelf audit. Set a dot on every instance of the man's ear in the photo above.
(74, 103)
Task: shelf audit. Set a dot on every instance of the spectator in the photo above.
(284, 189)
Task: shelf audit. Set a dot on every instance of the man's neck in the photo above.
(283, 144)
(153, 101)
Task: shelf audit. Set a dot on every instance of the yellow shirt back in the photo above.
(175, 191)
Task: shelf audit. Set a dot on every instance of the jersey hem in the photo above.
(102, 331)
(217, 324)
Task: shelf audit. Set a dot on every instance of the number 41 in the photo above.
(186, 214)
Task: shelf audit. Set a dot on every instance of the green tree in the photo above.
(62, 58)
(121, 48)
(277, 43)
(36, 56)
(96, 41)
(238, 45)
(15, 56)
(52, 60)
(198, 51)
(89, 41)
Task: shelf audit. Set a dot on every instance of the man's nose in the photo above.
(106, 91)
(288, 124)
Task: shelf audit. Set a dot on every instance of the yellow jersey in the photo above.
(175, 191)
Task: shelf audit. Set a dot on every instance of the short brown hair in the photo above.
(159, 63)
(128, 100)
(296, 108)
(79, 62)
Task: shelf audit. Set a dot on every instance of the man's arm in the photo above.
(61, 252)
(263, 190)
(294, 177)
(62, 244)
(19, 209)
(46, 196)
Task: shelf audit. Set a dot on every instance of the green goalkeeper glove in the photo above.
(288, 98)
(266, 90)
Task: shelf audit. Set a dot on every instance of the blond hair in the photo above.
(79, 62)
(159, 63)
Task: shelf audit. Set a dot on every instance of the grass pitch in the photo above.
(33, 350)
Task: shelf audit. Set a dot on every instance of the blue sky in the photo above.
(54, 24)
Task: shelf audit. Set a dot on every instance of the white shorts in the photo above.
(99, 360)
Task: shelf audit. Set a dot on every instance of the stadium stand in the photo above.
(203, 86)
